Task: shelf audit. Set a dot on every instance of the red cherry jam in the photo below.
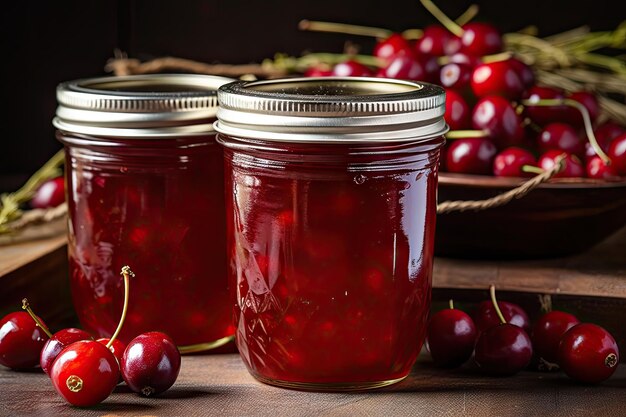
(330, 226)
(145, 186)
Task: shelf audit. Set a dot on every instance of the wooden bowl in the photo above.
(562, 217)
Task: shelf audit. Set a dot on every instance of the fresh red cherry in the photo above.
(450, 336)
(524, 72)
(318, 71)
(542, 115)
(480, 39)
(588, 353)
(587, 99)
(457, 111)
(604, 136)
(403, 67)
(497, 117)
(151, 363)
(351, 69)
(486, 315)
(392, 46)
(497, 78)
(562, 137)
(503, 349)
(117, 347)
(21, 341)
(461, 58)
(596, 168)
(573, 167)
(50, 194)
(617, 154)
(511, 162)
(547, 333)
(431, 66)
(438, 41)
(455, 76)
(471, 156)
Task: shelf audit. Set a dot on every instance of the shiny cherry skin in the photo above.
(547, 332)
(438, 41)
(50, 194)
(503, 349)
(317, 71)
(403, 67)
(597, 169)
(59, 341)
(85, 373)
(562, 137)
(604, 134)
(573, 166)
(617, 154)
(497, 78)
(496, 116)
(573, 116)
(457, 111)
(451, 336)
(486, 317)
(470, 156)
(394, 45)
(151, 363)
(588, 353)
(351, 69)
(524, 72)
(543, 115)
(455, 76)
(510, 161)
(480, 39)
(117, 347)
(461, 58)
(21, 341)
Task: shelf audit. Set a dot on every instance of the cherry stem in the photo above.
(502, 56)
(468, 15)
(317, 26)
(451, 303)
(464, 134)
(127, 273)
(26, 307)
(532, 169)
(448, 23)
(586, 120)
(492, 292)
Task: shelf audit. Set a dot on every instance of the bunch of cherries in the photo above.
(502, 123)
(85, 371)
(502, 341)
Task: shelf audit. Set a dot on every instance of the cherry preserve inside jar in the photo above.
(145, 189)
(330, 203)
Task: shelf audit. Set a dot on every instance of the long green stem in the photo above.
(468, 15)
(348, 29)
(39, 323)
(532, 169)
(449, 24)
(127, 273)
(463, 134)
(492, 293)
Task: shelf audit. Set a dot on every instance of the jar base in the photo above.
(329, 386)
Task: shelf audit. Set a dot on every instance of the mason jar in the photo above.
(330, 202)
(144, 179)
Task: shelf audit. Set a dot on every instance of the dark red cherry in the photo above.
(486, 316)
(431, 66)
(21, 341)
(503, 350)
(117, 347)
(351, 69)
(59, 341)
(457, 111)
(50, 194)
(604, 136)
(438, 41)
(451, 336)
(510, 161)
(480, 39)
(573, 116)
(461, 58)
(547, 332)
(497, 117)
(394, 45)
(497, 78)
(543, 115)
(85, 373)
(597, 169)
(562, 137)
(470, 156)
(524, 72)
(573, 166)
(455, 76)
(588, 353)
(403, 67)
(318, 71)
(617, 154)
(151, 363)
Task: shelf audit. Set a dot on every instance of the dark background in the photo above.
(44, 43)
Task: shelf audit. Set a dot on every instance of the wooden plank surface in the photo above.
(220, 385)
(16, 255)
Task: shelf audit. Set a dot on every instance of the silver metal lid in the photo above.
(331, 109)
(136, 106)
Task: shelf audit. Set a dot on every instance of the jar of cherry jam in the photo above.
(145, 188)
(330, 202)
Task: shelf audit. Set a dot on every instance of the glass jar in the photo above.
(145, 188)
(331, 200)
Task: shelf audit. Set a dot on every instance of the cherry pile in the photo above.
(85, 371)
(503, 342)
